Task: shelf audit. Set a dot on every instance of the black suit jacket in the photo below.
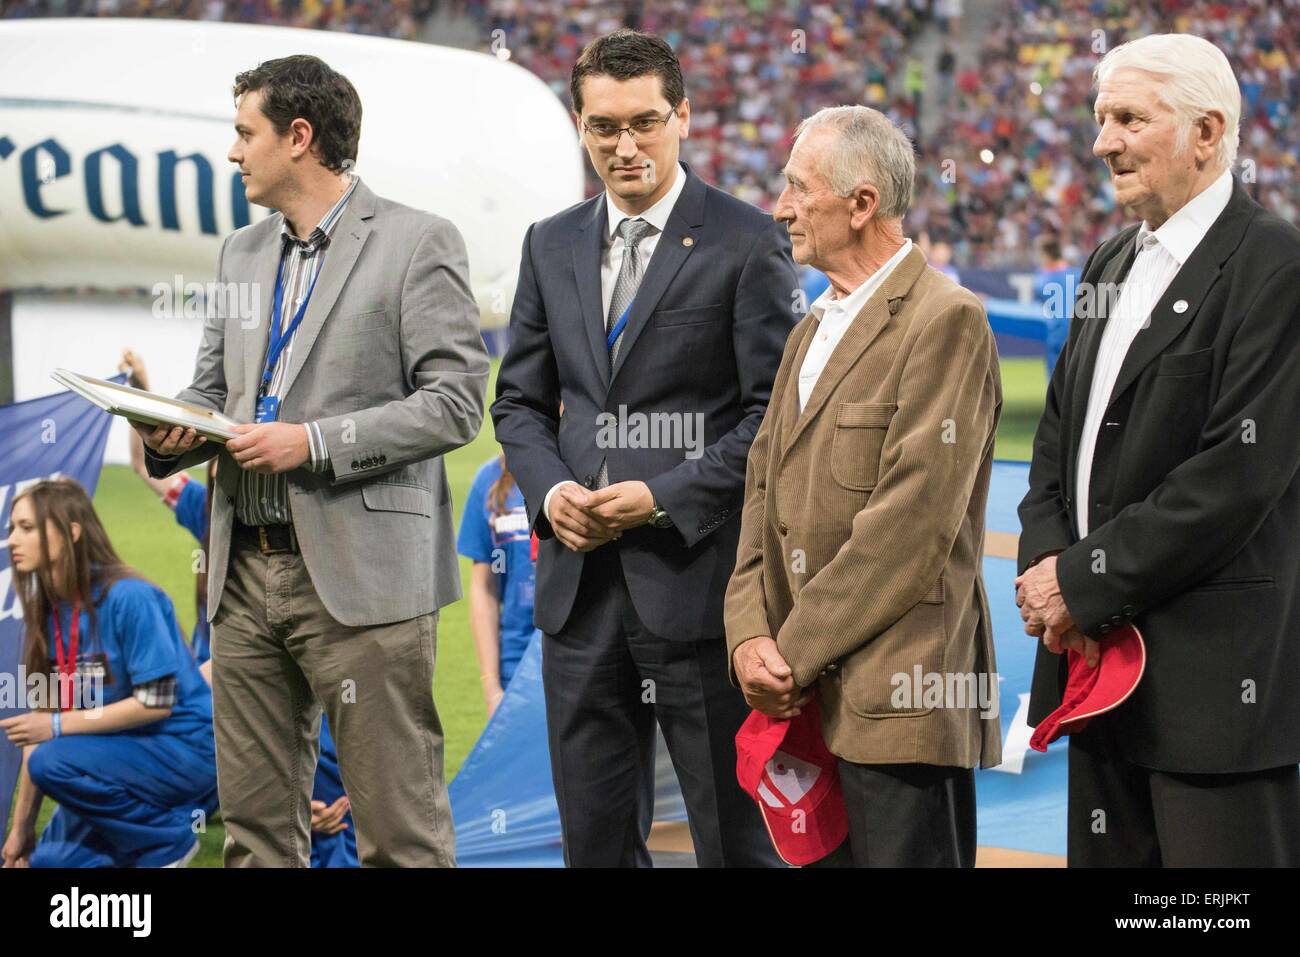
(704, 337)
(1194, 515)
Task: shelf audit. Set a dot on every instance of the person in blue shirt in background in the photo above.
(1055, 281)
(333, 840)
(121, 734)
(495, 536)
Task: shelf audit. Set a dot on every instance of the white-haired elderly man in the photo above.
(1165, 487)
(857, 577)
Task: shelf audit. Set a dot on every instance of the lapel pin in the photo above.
(1180, 305)
(688, 241)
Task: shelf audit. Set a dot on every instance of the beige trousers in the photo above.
(278, 658)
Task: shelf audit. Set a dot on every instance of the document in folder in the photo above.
(147, 407)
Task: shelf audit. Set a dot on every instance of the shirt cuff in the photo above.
(546, 502)
(318, 455)
(158, 457)
(159, 693)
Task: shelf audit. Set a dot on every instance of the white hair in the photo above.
(1197, 78)
(868, 149)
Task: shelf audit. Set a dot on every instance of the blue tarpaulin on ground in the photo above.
(58, 435)
(504, 806)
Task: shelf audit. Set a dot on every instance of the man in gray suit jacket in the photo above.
(332, 541)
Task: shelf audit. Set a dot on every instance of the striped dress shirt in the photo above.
(264, 499)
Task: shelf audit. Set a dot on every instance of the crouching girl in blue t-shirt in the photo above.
(124, 744)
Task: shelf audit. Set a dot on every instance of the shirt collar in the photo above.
(1183, 231)
(325, 227)
(852, 303)
(657, 215)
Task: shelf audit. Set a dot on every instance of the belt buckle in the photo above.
(265, 546)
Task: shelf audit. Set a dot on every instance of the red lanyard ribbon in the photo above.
(67, 668)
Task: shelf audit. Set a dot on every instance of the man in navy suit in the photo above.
(646, 331)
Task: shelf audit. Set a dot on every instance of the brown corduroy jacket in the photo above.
(863, 527)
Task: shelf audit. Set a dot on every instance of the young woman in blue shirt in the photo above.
(122, 739)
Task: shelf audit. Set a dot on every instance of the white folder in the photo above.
(147, 407)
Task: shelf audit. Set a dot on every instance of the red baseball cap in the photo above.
(1090, 692)
(785, 766)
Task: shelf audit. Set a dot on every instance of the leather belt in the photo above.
(270, 539)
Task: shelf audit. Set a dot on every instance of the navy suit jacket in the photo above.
(703, 341)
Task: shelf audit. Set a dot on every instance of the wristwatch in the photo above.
(659, 518)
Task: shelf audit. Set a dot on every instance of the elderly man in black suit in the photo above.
(1165, 487)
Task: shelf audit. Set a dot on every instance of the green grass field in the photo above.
(148, 537)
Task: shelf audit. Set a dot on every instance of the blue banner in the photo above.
(58, 435)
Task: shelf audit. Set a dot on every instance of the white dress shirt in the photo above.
(834, 317)
(612, 247)
(611, 258)
(1161, 254)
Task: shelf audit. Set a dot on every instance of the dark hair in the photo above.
(86, 564)
(625, 54)
(1049, 246)
(304, 87)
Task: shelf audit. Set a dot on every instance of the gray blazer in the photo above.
(390, 362)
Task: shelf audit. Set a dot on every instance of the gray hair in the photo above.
(1197, 78)
(868, 149)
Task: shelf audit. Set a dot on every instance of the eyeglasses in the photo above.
(607, 134)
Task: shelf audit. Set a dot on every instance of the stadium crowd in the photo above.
(1005, 158)
(1010, 157)
(393, 18)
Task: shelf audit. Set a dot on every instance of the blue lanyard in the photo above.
(618, 328)
(280, 339)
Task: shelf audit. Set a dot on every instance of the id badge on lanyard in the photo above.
(67, 663)
(268, 406)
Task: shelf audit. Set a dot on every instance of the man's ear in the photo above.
(303, 137)
(866, 204)
(1209, 131)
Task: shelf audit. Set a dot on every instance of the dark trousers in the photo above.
(1125, 815)
(906, 815)
(607, 680)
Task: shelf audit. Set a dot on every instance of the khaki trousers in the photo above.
(278, 657)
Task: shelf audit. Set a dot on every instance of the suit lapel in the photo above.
(1094, 323)
(586, 272)
(862, 331)
(345, 244)
(256, 339)
(679, 240)
(789, 399)
(1189, 288)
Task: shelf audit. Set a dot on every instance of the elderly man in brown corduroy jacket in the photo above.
(858, 579)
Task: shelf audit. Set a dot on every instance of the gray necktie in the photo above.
(625, 286)
(629, 277)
